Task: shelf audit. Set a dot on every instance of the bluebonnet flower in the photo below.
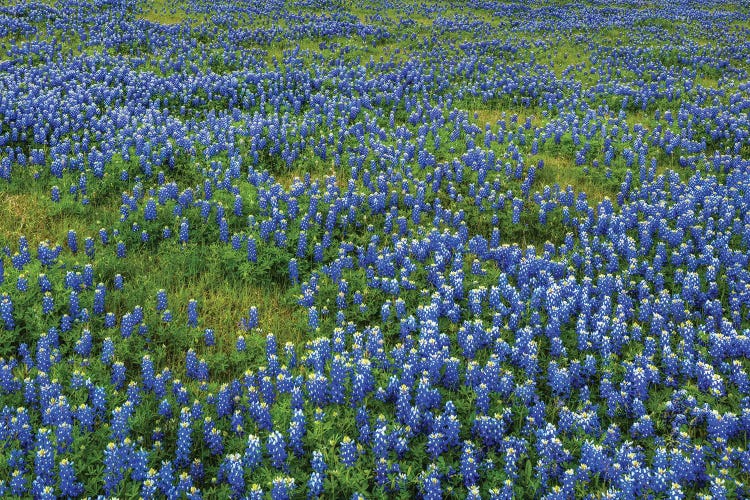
(161, 300)
(192, 312)
(137, 462)
(312, 318)
(435, 444)
(431, 484)
(113, 468)
(89, 247)
(196, 470)
(483, 399)
(318, 463)
(281, 488)
(72, 241)
(317, 385)
(48, 303)
(63, 433)
(469, 466)
(44, 459)
(252, 252)
(276, 447)
(103, 236)
(100, 294)
(165, 408)
(231, 469)
(22, 283)
(253, 453)
(6, 312)
(208, 337)
(240, 344)
(149, 211)
(255, 493)
(297, 430)
(212, 437)
(223, 230)
(224, 401)
(315, 485)
(184, 439)
(348, 451)
(43, 280)
(69, 485)
(118, 374)
(184, 232)
(165, 477)
(18, 482)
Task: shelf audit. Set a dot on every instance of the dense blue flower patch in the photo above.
(492, 249)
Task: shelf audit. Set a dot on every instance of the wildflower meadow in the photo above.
(408, 249)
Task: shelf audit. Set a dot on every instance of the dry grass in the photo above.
(24, 215)
(643, 118)
(163, 12)
(223, 301)
(36, 217)
(318, 172)
(562, 171)
(707, 81)
(492, 116)
(566, 54)
(222, 308)
(166, 19)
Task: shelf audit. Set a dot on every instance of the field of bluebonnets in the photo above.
(381, 248)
